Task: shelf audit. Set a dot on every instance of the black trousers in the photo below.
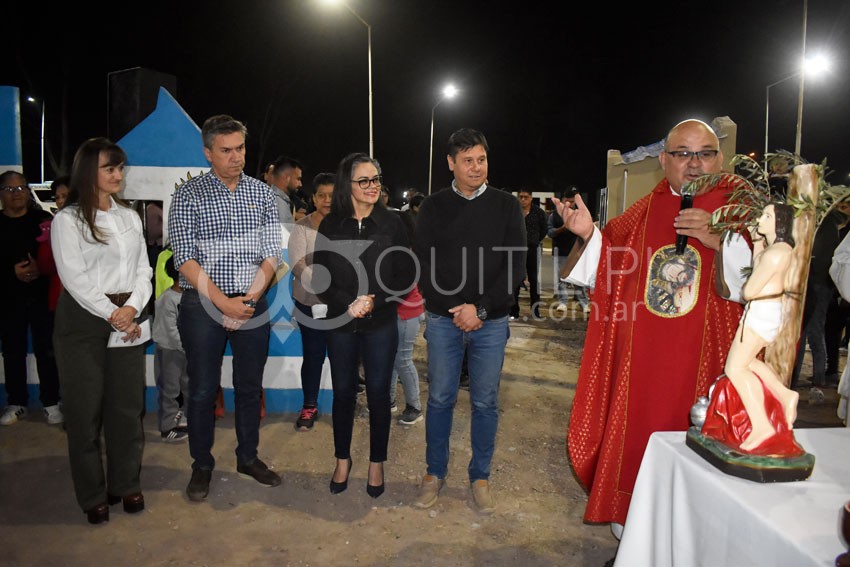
(533, 283)
(19, 315)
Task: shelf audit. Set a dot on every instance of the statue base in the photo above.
(757, 468)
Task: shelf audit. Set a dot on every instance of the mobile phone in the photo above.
(251, 303)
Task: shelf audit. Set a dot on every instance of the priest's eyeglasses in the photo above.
(365, 182)
(18, 189)
(701, 155)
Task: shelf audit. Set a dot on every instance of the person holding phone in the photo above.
(26, 290)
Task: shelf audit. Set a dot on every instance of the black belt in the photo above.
(119, 299)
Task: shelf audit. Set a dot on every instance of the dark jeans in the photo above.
(18, 316)
(836, 318)
(204, 340)
(376, 349)
(533, 282)
(818, 297)
(315, 346)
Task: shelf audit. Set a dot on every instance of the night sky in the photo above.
(552, 85)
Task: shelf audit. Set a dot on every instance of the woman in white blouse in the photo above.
(102, 261)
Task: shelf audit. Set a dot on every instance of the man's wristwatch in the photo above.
(480, 312)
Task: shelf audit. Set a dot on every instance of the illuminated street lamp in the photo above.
(449, 91)
(369, 55)
(31, 99)
(815, 66)
(812, 67)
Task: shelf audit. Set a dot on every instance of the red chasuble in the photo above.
(657, 338)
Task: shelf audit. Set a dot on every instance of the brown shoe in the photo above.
(99, 514)
(429, 490)
(482, 498)
(134, 503)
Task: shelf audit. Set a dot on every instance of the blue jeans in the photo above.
(486, 350)
(376, 349)
(404, 368)
(204, 340)
(315, 347)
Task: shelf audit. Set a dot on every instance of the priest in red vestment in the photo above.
(658, 332)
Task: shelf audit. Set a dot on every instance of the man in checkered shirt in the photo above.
(226, 237)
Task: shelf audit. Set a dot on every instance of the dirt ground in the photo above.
(540, 505)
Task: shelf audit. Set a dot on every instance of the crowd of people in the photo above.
(359, 303)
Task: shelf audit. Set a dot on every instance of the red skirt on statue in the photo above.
(727, 421)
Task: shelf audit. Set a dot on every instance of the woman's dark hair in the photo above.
(84, 191)
(784, 219)
(416, 200)
(323, 178)
(60, 181)
(407, 221)
(341, 203)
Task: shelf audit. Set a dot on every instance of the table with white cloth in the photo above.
(685, 512)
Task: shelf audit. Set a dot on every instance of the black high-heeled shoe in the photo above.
(337, 487)
(375, 491)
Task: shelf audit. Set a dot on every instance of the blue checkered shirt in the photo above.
(229, 233)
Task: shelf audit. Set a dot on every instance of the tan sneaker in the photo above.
(429, 490)
(484, 502)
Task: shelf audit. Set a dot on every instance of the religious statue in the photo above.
(759, 416)
(748, 426)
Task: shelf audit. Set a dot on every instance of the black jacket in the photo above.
(359, 261)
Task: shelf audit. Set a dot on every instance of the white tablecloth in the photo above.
(686, 512)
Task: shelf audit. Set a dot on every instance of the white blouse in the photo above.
(89, 269)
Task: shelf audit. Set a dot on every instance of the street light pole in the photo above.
(766, 121)
(767, 109)
(431, 147)
(802, 84)
(31, 99)
(448, 92)
(814, 66)
(369, 55)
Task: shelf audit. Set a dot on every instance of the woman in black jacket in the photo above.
(364, 249)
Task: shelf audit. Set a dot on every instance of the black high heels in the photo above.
(337, 487)
(375, 491)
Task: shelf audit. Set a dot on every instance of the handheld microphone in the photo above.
(681, 239)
